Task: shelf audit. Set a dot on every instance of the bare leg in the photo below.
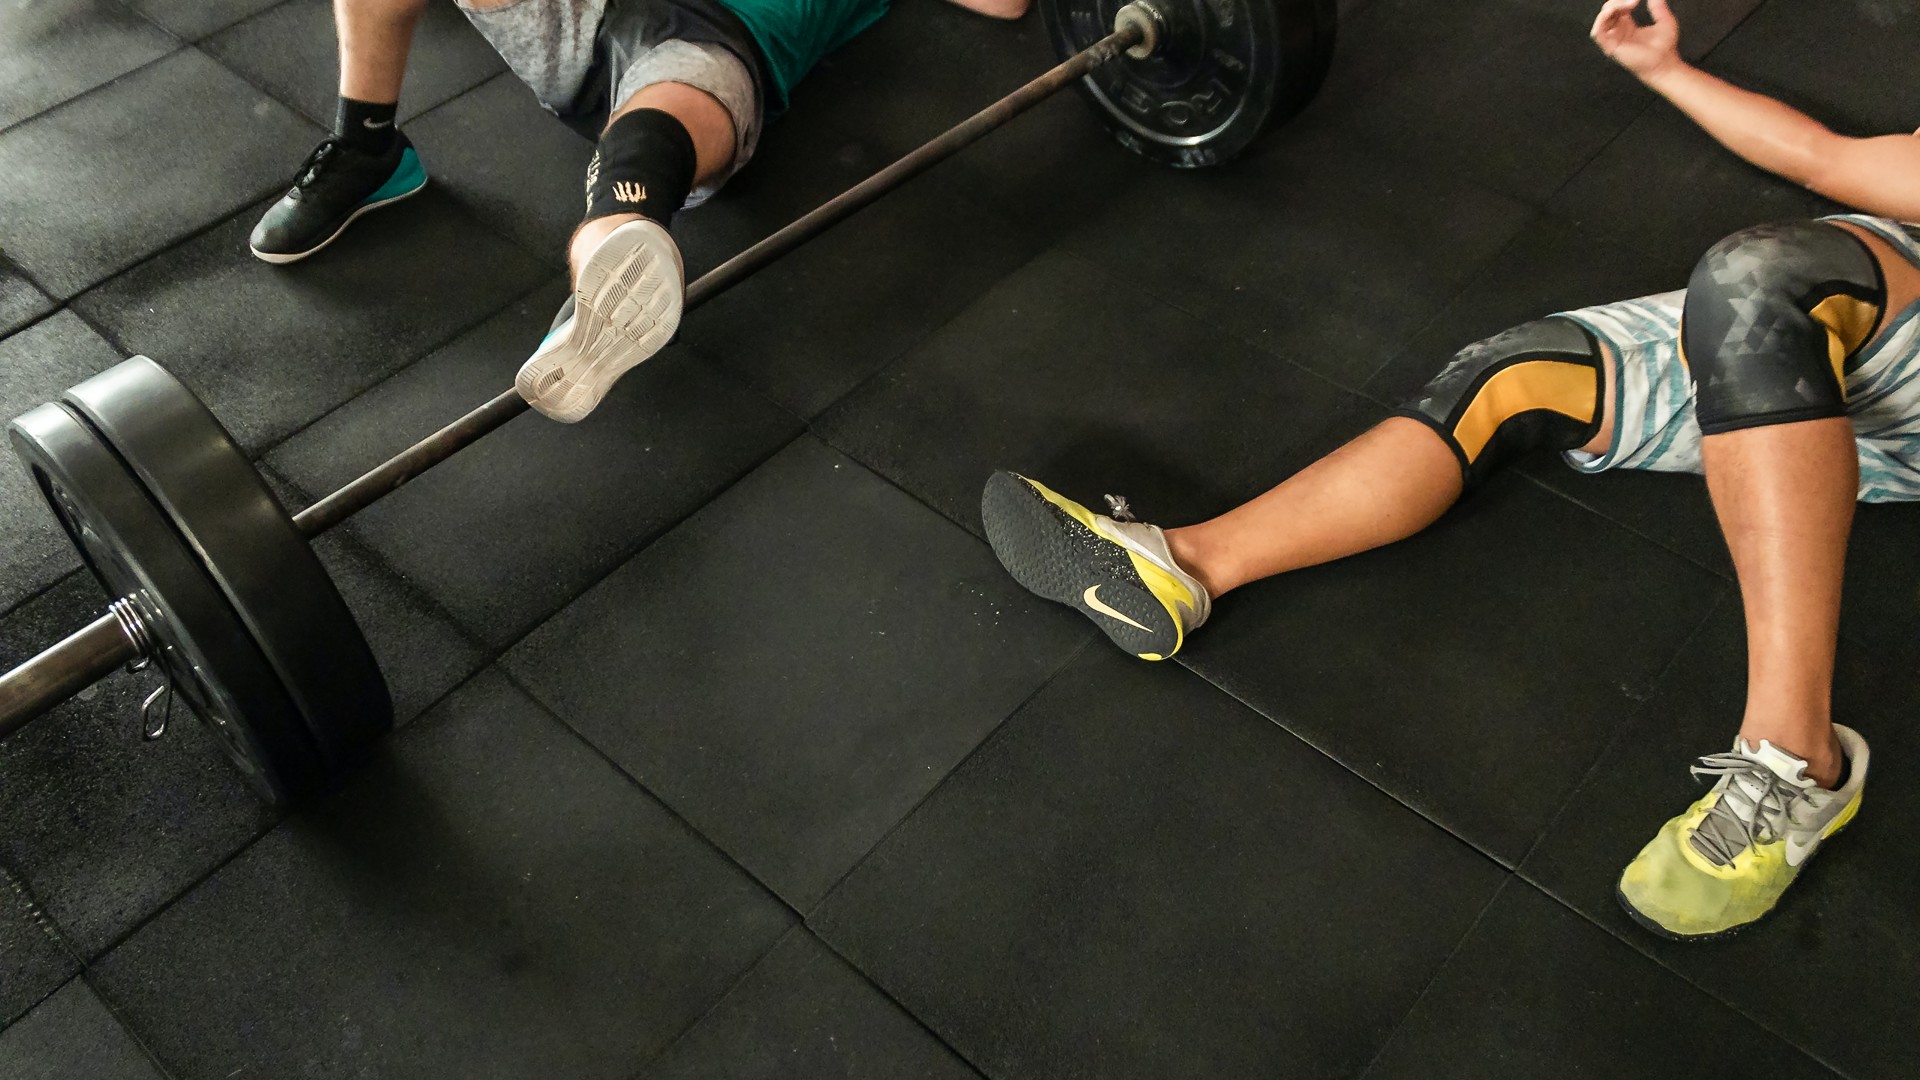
(1784, 495)
(1386, 485)
(713, 141)
(375, 37)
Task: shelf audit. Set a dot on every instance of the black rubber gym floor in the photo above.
(728, 749)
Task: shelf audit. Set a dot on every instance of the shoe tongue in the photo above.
(1782, 764)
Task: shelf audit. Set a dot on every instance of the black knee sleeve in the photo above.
(644, 164)
(1535, 386)
(1773, 314)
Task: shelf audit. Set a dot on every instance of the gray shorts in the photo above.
(582, 57)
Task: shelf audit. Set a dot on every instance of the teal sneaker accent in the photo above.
(408, 177)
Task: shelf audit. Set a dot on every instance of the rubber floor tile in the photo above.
(928, 66)
(1063, 373)
(1331, 259)
(804, 1013)
(420, 649)
(508, 162)
(1846, 924)
(104, 827)
(272, 348)
(1666, 188)
(1139, 877)
(1555, 267)
(1484, 90)
(192, 20)
(34, 957)
(36, 365)
(1844, 60)
(817, 323)
(797, 665)
(1535, 989)
(517, 524)
(1703, 23)
(84, 197)
(290, 52)
(490, 898)
(1457, 669)
(20, 302)
(71, 1036)
(51, 50)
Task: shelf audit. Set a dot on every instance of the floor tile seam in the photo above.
(325, 123)
(1623, 727)
(1654, 101)
(413, 592)
(153, 1058)
(11, 609)
(966, 201)
(992, 735)
(279, 816)
(9, 262)
(179, 44)
(498, 232)
(553, 715)
(1433, 978)
(1323, 751)
(646, 1065)
(1638, 940)
(426, 349)
(922, 1023)
(242, 207)
(1571, 499)
(619, 559)
(43, 921)
(1470, 288)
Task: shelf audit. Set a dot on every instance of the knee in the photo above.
(1536, 386)
(1773, 313)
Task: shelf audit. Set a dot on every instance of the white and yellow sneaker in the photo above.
(1116, 571)
(625, 307)
(1727, 860)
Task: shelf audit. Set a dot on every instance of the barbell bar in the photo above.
(1204, 77)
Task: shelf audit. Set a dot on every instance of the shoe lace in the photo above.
(1755, 807)
(310, 169)
(1117, 508)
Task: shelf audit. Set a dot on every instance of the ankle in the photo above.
(1201, 559)
(1825, 760)
(589, 236)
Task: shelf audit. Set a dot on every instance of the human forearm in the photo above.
(1767, 133)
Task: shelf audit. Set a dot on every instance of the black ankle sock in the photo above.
(1846, 771)
(644, 165)
(365, 125)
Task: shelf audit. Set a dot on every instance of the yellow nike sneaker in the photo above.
(1727, 860)
(1114, 570)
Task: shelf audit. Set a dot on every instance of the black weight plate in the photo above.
(198, 640)
(249, 546)
(1224, 71)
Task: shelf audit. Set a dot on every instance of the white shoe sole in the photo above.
(281, 259)
(626, 307)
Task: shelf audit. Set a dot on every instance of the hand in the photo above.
(1644, 50)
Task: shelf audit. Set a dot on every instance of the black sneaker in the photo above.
(336, 184)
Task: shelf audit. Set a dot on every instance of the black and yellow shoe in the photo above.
(1116, 572)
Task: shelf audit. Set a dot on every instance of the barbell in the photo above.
(213, 582)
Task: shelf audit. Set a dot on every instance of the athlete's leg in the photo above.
(1402, 475)
(1536, 386)
(375, 37)
(1774, 317)
(709, 128)
(1385, 485)
(1784, 494)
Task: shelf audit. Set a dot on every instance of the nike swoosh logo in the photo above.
(1797, 852)
(1094, 603)
(376, 127)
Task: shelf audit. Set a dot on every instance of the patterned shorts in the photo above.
(1652, 408)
